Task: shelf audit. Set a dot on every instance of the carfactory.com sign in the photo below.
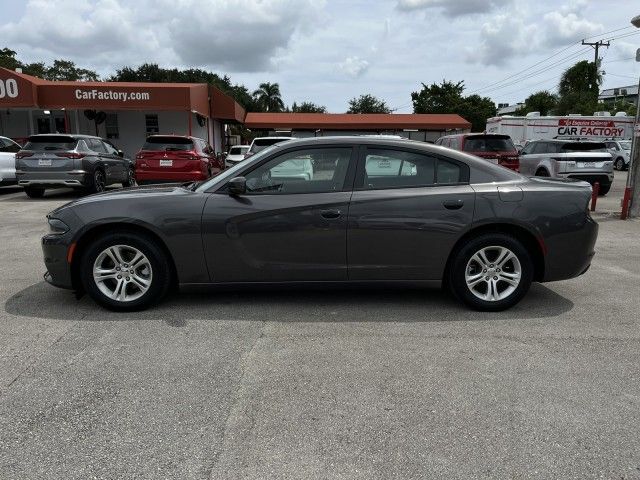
(111, 95)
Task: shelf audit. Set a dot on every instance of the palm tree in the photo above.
(268, 97)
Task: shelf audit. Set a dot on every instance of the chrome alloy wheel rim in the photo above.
(493, 273)
(122, 273)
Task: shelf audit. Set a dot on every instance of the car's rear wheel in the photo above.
(34, 192)
(98, 182)
(491, 272)
(619, 163)
(125, 271)
(542, 172)
(604, 189)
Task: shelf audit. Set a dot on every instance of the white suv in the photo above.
(621, 152)
(588, 161)
(8, 149)
(260, 143)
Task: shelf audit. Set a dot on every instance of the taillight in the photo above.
(70, 155)
(24, 154)
(188, 156)
(140, 156)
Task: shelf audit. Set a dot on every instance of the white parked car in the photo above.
(236, 154)
(621, 152)
(260, 143)
(8, 149)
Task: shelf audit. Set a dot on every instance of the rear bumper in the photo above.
(54, 249)
(72, 178)
(569, 252)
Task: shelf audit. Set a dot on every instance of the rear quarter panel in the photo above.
(554, 212)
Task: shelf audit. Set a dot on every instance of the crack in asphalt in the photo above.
(244, 361)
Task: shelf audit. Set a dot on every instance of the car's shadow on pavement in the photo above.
(334, 305)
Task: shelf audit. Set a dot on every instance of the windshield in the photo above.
(626, 145)
(50, 142)
(155, 144)
(583, 147)
(238, 150)
(260, 144)
(231, 172)
(488, 144)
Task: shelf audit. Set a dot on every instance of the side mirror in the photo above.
(120, 153)
(237, 186)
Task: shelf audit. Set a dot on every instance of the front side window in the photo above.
(315, 170)
(397, 169)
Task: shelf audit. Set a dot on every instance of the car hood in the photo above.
(132, 193)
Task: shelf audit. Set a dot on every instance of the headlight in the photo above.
(57, 227)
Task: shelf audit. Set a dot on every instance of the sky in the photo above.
(329, 51)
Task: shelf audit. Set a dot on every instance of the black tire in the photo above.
(131, 178)
(98, 181)
(458, 269)
(160, 279)
(34, 192)
(604, 189)
(542, 172)
(619, 164)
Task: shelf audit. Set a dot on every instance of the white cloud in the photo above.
(232, 35)
(453, 8)
(354, 66)
(514, 34)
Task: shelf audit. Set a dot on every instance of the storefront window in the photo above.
(151, 123)
(111, 125)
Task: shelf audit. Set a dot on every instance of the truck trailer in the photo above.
(533, 126)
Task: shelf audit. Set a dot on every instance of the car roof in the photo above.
(273, 138)
(72, 135)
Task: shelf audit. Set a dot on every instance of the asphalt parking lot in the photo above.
(319, 384)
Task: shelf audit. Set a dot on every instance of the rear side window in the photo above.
(488, 144)
(449, 172)
(397, 169)
(96, 145)
(50, 142)
(168, 144)
(455, 143)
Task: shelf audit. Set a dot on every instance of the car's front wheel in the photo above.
(125, 271)
(491, 272)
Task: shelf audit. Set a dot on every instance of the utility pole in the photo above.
(596, 46)
(631, 199)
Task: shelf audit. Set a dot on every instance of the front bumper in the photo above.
(55, 249)
(72, 178)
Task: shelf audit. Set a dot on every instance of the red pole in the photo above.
(594, 196)
(626, 199)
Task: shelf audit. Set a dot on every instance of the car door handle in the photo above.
(330, 214)
(453, 204)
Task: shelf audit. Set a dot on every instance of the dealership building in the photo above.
(127, 112)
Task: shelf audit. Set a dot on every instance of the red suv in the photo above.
(174, 158)
(492, 146)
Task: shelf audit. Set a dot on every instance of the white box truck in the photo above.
(601, 126)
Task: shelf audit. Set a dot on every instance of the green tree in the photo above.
(308, 107)
(578, 89)
(268, 97)
(543, 101)
(368, 104)
(67, 70)
(8, 59)
(447, 98)
(619, 106)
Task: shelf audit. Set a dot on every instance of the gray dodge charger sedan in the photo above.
(370, 210)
